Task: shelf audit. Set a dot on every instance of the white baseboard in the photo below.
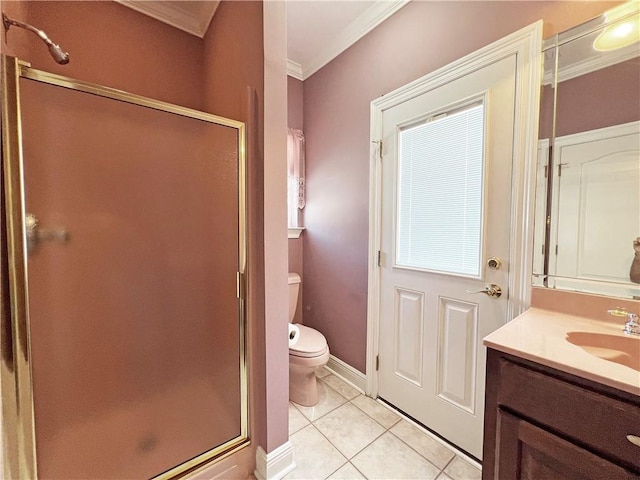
(237, 464)
(347, 373)
(274, 465)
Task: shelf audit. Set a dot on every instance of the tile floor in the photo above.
(350, 436)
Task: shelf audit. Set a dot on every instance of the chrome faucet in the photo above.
(632, 327)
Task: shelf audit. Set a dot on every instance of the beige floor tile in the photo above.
(296, 419)
(347, 472)
(425, 445)
(329, 400)
(341, 387)
(322, 372)
(443, 476)
(388, 457)
(314, 456)
(459, 469)
(349, 429)
(380, 414)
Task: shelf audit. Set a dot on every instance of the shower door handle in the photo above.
(36, 235)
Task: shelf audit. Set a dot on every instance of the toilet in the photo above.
(309, 353)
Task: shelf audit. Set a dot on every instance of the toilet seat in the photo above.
(311, 343)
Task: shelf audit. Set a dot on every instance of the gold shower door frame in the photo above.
(18, 428)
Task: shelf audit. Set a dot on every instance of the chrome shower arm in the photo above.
(9, 21)
(55, 50)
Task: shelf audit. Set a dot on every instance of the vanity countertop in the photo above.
(541, 336)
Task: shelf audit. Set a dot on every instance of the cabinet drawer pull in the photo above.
(634, 439)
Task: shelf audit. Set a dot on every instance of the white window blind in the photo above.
(440, 193)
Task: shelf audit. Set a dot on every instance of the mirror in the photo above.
(588, 176)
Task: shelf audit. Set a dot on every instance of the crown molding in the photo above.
(294, 69)
(598, 61)
(173, 14)
(357, 29)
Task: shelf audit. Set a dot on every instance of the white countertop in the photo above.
(540, 336)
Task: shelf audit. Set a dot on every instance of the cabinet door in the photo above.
(526, 452)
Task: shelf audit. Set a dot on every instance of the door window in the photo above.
(440, 192)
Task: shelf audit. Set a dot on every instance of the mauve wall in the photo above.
(417, 40)
(19, 43)
(234, 59)
(606, 97)
(295, 120)
(236, 49)
(228, 58)
(599, 99)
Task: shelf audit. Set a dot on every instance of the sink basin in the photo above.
(613, 348)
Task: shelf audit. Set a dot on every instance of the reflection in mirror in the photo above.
(590, 215)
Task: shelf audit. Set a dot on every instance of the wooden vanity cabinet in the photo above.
(543, 424)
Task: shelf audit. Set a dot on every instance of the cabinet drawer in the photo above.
(599, 422)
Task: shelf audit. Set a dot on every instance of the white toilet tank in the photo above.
(294, 289)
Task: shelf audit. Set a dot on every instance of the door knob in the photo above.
(35, 234)
(494, 263)
(492, 290)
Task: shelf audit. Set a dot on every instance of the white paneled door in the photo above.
(446, 189)
(596, 207)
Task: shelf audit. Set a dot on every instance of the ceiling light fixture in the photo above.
(620, 33)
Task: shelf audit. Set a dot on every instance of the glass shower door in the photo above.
(135, 244)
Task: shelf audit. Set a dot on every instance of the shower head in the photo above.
(56, 52)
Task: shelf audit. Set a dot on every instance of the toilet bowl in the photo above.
(309, 353)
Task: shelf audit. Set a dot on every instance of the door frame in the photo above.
(526, 44)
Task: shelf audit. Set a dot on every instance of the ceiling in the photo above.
(317, 30)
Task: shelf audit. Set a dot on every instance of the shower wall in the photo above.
(111, 45)
(20, 43)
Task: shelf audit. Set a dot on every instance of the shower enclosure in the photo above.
(123, 271)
